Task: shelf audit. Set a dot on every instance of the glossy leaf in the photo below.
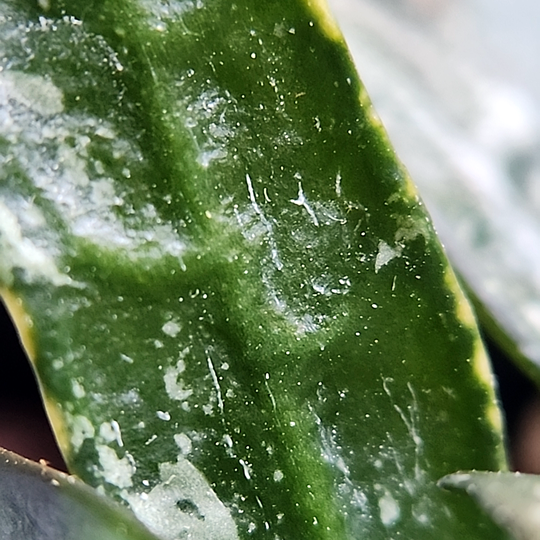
(452, 86)
(243, 323)
(511, 499)
(40, 503)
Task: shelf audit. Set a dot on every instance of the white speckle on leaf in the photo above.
(183, 506)
(385, 255)
(58, 363)
(162, 415)
(173, 384)
(36, 92)
(278, 476)
(171, 328)
(78, 389)
(45, 5)
(246, 467)
(329, 286)
(359, 500)
(81, 429)
(410, 228)
(126, 358)
(227, 440)
(110, 431)
(105, 132)
(115, 470)
(183, 442)
(131, 397)
(205, 158)
(208, 409)
(151, 440)
(18, 251)
(389, 510)
(162, 13)
(338, 184)
(318, 288)
(209, 114)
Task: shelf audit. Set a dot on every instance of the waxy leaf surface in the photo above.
(242, 321)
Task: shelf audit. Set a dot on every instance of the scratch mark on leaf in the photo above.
(302, 201)
(216, 384)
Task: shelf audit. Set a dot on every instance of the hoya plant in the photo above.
(241, 319)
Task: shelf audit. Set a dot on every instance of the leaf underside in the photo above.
(39, 503)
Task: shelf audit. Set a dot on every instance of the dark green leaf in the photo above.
(243, 323)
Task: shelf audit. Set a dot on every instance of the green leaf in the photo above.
(462, 110)
(242, 321)
(511, 499)
(40, 503)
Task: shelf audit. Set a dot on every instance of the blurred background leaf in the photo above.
(511, 499)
